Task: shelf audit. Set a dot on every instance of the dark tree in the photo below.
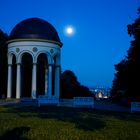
(126, 82)
(3, 63)
(70, 87)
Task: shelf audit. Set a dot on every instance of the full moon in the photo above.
(69, 30)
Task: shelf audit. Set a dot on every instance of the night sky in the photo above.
(100, 39)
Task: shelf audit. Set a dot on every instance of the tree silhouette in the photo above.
(126, 82)
(70, 87)
(3, 63)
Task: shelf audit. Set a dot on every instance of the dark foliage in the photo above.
(126, 82)
(3, 63)
(70, 87)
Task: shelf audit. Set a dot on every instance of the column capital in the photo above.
(9, 65)
(18, 63)
(50, 64)
(57, 66)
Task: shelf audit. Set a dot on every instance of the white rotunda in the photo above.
(34, 60)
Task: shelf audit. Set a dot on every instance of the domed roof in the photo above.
(35, 28)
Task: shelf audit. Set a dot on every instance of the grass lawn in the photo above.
(60, 123)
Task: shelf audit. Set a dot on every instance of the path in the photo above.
(100, 105)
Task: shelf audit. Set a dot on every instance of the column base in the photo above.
(33, 95)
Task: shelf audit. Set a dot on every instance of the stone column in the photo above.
(34, 81)
(18, 82)
(57, 81)
(46, 80)
(50, 81)
(9, 87)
